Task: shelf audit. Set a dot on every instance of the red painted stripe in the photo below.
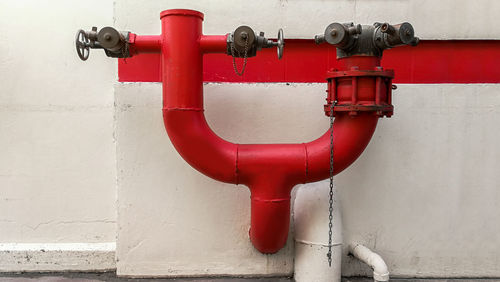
(460, 61)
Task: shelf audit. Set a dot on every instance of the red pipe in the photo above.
(269, 170)
(213, 43)
(144, 43)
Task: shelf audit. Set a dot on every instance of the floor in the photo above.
(110, 276)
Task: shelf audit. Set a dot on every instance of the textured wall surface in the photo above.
(175, 221)
(425, 192)
(445, 19)
(57, 165)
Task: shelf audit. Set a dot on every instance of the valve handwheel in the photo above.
(281, 43)
(82, 44)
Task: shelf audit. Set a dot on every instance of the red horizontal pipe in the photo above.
(269, 170)
(432, 61)
(213, 43)
(140, 44)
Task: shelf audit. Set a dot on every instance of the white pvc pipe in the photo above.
(311, 235)
(374, 260)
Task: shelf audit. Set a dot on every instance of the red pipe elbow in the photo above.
(269, 170)
(200, 146)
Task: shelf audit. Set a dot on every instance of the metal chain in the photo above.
(244, 58)
(330, 217)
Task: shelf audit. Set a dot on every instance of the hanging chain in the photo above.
(330, 216)
(244, 58)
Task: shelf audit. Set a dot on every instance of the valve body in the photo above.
(361, 85)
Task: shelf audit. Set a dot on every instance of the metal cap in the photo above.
(110, 38)
(406, 33)
(243, 35)
(336, 34)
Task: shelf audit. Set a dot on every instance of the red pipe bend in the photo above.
(249, 163)
(269, 170)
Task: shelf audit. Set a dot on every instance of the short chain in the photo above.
(330, 216)
(245, 55)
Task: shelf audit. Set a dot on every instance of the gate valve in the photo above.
(340, 35)
(244, 42)
(114, 43)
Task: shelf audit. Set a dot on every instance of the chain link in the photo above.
(245, 56)
(330, 216)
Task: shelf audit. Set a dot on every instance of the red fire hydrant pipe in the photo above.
(269, 170)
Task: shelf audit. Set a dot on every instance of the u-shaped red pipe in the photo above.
(269, 170)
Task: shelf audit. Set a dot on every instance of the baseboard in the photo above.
(32, 257)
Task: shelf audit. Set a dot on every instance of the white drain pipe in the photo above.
(374, 260)
(311, 235)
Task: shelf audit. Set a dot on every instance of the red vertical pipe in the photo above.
(354, 90)
(182, 70)
(182, 60)
(378, 90)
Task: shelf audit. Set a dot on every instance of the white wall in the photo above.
(445, 19)
(174, 221)
(57, 164)
(425, 193)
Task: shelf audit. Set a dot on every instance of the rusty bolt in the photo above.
(244, 35)
(384, 27)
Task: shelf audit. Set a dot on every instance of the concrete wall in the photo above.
(425, 192)
(173, 220)
(57, 164)
(447, 19)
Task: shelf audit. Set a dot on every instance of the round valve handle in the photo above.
(280, 43)
(82, 44)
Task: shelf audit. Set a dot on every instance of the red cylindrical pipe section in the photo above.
(269, 170)
(213, 43)
(358, 62)
(140, 44)
(270, 224)
(270, 214)
(182, 62)
(351, 135)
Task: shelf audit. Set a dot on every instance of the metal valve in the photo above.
(244, 42)
(280, 43)
(388, 36)
(340, 35)
(114, 43)
(366, 40)
(82, 44)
